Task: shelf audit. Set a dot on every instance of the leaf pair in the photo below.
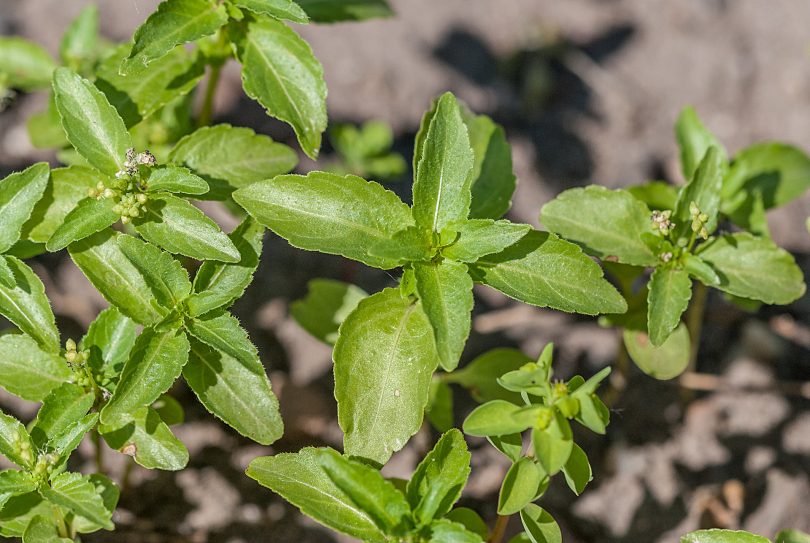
(353, 498)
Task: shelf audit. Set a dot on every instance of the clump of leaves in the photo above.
(692, 234)
(365, 151)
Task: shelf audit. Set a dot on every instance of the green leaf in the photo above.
(493, 182)
(165, 276)
(180, 228)
(776, 172)
(694, 139)
(412, 244)
(520, 486)
(91, 215)
(658, 195)
(553, 444)
(218, 284)
(67, 440)
(700, 270)
(26, 370)
(384, 358)
(6, 275)
(481, 237)
(92, 125)
(664, 362)
(792, 536)
(170, 410)
(65, 189)
(301, 480)
(439, 409)
(446, 531)
(78, 494)
(140, 95)
(364, 486)
(109, 493)
(155, 363)
(704, 190)
(577, 470)
(511, 445)
(439, 479)
(225, 373)
(325, 212)
(19, 193)
(445, 290)
(755, 268)
(15, 443)
(110, 271)
(175, 22)
(45, 128)
(667, 299)
(326, 306)
(539, 525)
(65, 405)
(608, 223)
(26, 65)
(281, 9)
(80, 40)
(109, 339)
(144, 436)
(479, 376)
(43, 530)
(470, 520)
(175, 179)
(26, 305)
(722, 536)
(543, 270)
(280, 72)
(332, 11)
(443, 176)
(494, 418)
(232, 157)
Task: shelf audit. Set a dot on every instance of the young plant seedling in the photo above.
(365, 151)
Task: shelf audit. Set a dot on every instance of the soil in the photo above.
(588, 91)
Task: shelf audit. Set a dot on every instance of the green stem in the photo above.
(694, 321)
(499, 530)
(207, 110)
(125, 477)
(618, 379)
(99, 451)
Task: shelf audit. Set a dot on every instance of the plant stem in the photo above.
(499, 530)
(618, 379)
(207, 110)
(126, 475)
(694, 322)
(99, 451)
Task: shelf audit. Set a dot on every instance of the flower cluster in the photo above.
(661, 221)
(699, 221)
(127, 187)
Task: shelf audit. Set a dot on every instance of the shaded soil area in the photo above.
(588, 91)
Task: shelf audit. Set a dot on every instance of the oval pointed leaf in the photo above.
(225, 373)
(232, 157)
(175, 179)
(78, 494)
(301, 480)
(175, 22)
(332, 11)
(26, 65)
(109, 339)
(280, 72)
(493, 181)
(165, 276)
(326, 306)
(539, 525)
(545, 271)
(43, 530)
(116, 278)
(666, 361)
(15, 483)
(26, 370)
(26, 305)
(281, 9)
(92, 125)
(64, 406)
(607, 223)
(91, 215)
(144, 436)
(19, 193)
(754, 268)
(384, 358)
(330, 213)
(155, 363)
(441, 189)
(704, 190)
(481, 237)
(445, 290)
(694, 139)
(667, 299)
(81, 38)
(577, 470)
(722, 536)
(15, 443)
(180, 228)
(520, 486)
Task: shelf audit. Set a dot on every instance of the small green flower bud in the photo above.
(544, 418)
(70, 356)
(125, 219)
(704, 218)
(100, 186)
(70, 345)
(569, 407)
(108, 193)
(133, 212)
(118, 209)
(693, 208)
(92, 193)
(142, 198)
(704, 233)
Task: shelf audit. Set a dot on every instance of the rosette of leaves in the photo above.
(41, 501)
(545, 409)
(679, 235)
(352, 497)
(389, 346)
(365, 151)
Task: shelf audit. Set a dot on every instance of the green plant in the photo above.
(136, 155)
(365, 151)
(731, 536)
(695, 233)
